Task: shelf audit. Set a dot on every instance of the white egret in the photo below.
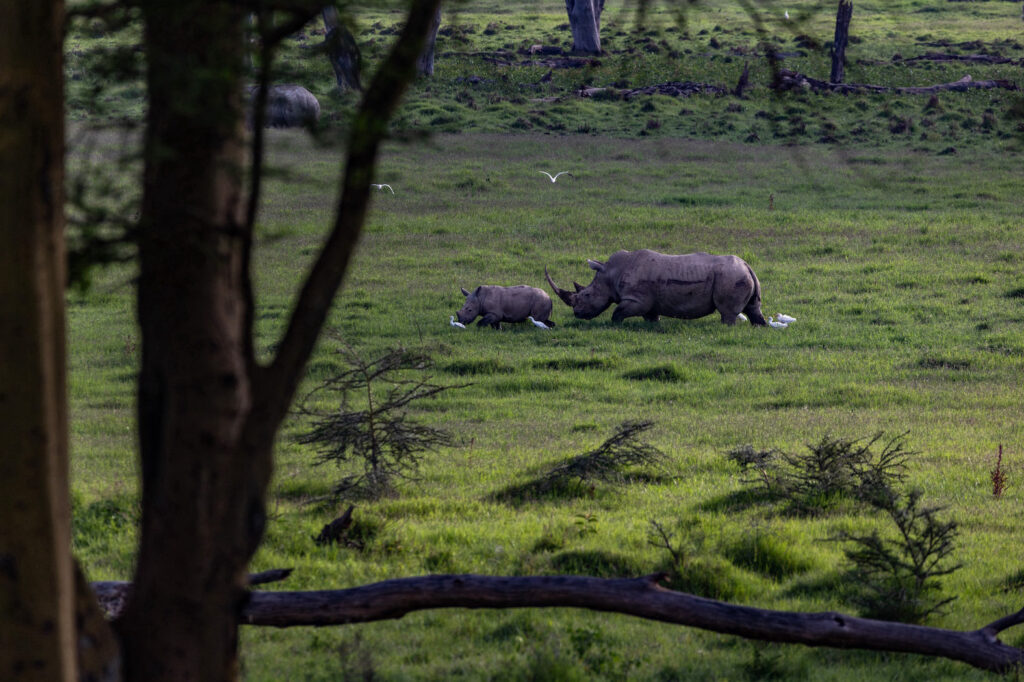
(557, 175)
(537, 323)
(785, 318)
(452, 322)
(381, 187)
(786, 13)
(743, 317)
(776, 325)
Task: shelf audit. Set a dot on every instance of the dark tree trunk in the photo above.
(37, 588)
(208, 414)
(342, 51)
(843, 15)
(202, 489)
(425, 63)
(585, 24)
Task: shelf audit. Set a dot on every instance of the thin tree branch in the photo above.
(277, 384)
(997, 626)
(641, 597)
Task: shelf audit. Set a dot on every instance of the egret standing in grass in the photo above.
(785, 318)
(537, 323)
(381, 187)
(452, 322)
(776, 325)
(557, 175)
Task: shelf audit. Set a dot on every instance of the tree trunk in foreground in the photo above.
(37, 588)
(641, 597)
(585, 25)
(208, 413)
(843, 15)
(201, 491)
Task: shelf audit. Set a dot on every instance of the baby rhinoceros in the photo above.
(495, 304)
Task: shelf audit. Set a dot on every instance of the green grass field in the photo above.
(903, 266)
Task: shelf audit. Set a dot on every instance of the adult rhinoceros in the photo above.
(652, 284)
(505, 304)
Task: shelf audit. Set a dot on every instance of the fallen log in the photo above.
(641, 597)
(947, 57)
(791, 80)
(673, 89)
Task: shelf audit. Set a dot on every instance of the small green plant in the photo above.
(370, 427)
(900, 577)
(998, 475)
(586, 524)
(762, 463)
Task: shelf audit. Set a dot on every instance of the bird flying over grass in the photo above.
(557, 175)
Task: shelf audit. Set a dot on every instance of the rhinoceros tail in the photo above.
(753, 308)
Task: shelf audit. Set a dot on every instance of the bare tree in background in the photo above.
(585, 25)
(425, 63)
(342, 51)
(843, 15)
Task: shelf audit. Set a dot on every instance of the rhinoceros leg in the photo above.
(728, 317)
(491, 319)
(630, 308)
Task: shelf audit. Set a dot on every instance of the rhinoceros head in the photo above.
(471, 309)
(590, 301)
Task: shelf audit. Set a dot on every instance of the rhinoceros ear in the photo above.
(464, 292)
(595, 265)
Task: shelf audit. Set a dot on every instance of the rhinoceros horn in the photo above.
(464, 292)
(566, 296)
(578, 287)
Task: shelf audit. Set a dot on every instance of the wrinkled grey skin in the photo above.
(505, 304)
(651, 284)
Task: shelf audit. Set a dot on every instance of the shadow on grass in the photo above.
(710, 576)
(545, 489)
(542, 489)
(739, 500)
(594, 562)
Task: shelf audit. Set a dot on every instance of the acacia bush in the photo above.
(899, 577)
(830, 471)
(371, 429)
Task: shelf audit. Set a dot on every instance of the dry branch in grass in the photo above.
(641, 597)
(791, 80)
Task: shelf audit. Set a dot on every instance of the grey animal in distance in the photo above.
(557, 175)
(496, 304)
(288, 106)
(381, 187)
(650, 284)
